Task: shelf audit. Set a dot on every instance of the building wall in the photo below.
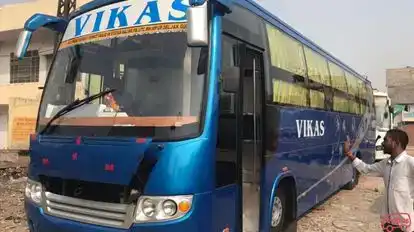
(409, 129)
(43, 41)
(19, 102)
(4, 114)
(22, 122)
(8, 13)
(397, 120)
(24, 11)
(400, 85)
(21, 99)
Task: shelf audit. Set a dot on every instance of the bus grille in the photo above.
(92, 212)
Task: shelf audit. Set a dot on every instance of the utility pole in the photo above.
(65, 7)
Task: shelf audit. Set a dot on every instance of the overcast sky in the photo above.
(368, 35)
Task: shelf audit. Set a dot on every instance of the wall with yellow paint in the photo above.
(22, 122)
(23, 99)
(8, 13)
(23, 103)
(26, 90)
(23, 113)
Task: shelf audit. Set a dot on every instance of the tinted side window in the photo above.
(288, 69)
(249, 27)
(317, 67)
(352, 82)
(338, 78)
(319, 80)
(340, 100)
(244, 25)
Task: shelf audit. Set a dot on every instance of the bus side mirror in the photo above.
(197, 25)
(34, 23)
(386, 115)
(230, 79)
(378, 137)
(23, 43)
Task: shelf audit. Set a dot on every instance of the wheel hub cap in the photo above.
(277, 210)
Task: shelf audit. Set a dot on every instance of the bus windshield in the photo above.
(158, 81)
(381, 107)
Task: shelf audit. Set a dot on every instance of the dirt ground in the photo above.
(12, 184)
(355, 210)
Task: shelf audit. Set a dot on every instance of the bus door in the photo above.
(251, 138)
(247, 99)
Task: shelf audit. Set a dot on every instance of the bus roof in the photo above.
(259, 11)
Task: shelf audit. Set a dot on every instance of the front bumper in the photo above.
(198, 219)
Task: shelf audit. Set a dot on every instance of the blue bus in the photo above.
(189, 115)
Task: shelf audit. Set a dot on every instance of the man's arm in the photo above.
(361, 166)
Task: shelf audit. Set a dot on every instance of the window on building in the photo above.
(24, 70)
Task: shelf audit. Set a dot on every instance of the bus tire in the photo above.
(354, 181)
(278, 213)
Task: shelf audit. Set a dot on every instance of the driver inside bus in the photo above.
(122, 99)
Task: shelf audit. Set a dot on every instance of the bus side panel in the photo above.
(367, 147)
(309, 143)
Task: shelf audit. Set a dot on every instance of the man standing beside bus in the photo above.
(397, 172)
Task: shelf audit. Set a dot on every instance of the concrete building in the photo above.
(19, 80)
(400, 86)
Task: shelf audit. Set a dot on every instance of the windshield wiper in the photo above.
(73, 105)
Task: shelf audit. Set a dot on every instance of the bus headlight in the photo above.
(169, 207)
(149, 208)
(153, 209)
(33, 191)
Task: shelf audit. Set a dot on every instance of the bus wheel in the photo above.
(278, 211)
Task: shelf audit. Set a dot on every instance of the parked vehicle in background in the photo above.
(383, 120)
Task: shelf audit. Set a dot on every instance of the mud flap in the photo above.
(292, 227)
